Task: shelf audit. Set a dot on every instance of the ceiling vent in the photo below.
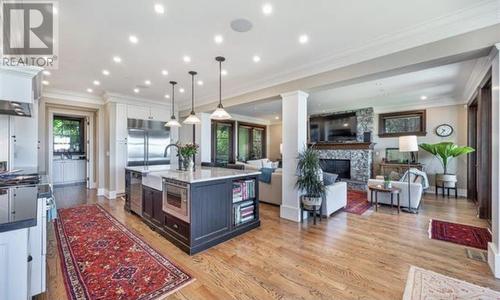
(241, 25)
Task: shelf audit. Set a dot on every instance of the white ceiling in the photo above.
(91, 32)
(444, 84)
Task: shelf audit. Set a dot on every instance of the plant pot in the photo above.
(446, 180)
(309, 202)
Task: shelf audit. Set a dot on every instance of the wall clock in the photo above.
(444, 130)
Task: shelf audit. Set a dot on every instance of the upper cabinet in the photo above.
(147, 113)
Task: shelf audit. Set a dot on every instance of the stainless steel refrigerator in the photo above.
(146, 143)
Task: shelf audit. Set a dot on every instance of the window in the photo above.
(251, 142)
(68, 135)
(222, 142)
(402, 123)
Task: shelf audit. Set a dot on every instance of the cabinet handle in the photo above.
(176, 226)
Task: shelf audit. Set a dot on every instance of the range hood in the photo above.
(19, 88)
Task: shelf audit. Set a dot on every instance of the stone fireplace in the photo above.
(341, 167)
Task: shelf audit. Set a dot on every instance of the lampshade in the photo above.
(220, 114)
(408, 143)
(173, 123)
(192, 119)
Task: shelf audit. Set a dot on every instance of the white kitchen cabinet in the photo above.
(121, 122)
(69, 171)
(138, 112)
(14, 262)
(159, 114)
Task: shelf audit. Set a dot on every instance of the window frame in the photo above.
(82, 135)
(250, 138)
(231, 140)
(402, 114)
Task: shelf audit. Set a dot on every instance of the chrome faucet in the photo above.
(179, 157)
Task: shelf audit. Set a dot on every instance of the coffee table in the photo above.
(375, 189)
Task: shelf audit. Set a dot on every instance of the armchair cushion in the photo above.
(335, 198)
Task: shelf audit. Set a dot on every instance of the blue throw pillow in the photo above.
(329, 178)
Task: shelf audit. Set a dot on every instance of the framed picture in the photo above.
(402, 123)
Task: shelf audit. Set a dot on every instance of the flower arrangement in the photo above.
(188, 150)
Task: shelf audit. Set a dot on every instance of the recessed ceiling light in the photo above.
(423, 98)
(96, 82)
(303, 39)
(186, 59)
(147, 82)
(136, 90)
(89, 90)
(164, 72)
(159, 8)
(167, 96)
(45, 82)
(105, 72)
(200, 82)
(46, 73)
(218, 39)
(117, 59)
(133, 39)
(256, 58)
(276, 118)
(223, 72)
(181, 90)
(267, 9)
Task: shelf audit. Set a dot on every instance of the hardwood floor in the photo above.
(345, 257)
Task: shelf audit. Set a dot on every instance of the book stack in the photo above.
(244, 212)
(243, 190)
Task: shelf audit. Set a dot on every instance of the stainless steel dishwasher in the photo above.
(136, 193)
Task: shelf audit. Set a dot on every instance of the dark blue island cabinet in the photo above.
(219, 210)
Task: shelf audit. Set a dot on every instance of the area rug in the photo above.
(357, 202)
(461, 234)
(102, 259)
(425, 284)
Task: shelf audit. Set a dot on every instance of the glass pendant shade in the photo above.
(220, 113)
(192, 119)
(173, 122)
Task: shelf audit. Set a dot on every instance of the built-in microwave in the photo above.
(176, 199)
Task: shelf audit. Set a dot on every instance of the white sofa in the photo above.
(335, 199)
(385, 198)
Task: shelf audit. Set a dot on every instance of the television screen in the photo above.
(333, 128)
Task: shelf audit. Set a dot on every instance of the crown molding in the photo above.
(72, 96)
(125, 99)
(477, 16)
(23, 71)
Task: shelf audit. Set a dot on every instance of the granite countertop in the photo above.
(18, 207)
(202, 174)
(149, 169)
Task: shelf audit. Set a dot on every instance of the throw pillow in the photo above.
(329, 178)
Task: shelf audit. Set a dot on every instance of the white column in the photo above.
(294, 133)
(493, 247)
(204, 138)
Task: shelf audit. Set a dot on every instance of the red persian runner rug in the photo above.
(357, 202)
(102, 259)
(461, 234)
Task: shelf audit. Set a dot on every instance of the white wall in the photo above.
(456, 116)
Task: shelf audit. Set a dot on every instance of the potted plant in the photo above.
(187, 152)
(309, 178)
(445, 151)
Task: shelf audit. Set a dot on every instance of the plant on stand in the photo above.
(309, 178)
(187, 153)
(445, 151)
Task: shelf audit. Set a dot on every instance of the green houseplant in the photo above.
(445, 151)
(309, 179)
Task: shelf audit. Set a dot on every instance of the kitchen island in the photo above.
(194, 210)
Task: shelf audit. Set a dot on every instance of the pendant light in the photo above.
(173, 122)
(220, 113)
(192, 118)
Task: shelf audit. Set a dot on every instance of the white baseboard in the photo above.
(101, 192)
(494, 260)
(460, 192)
(110, 194)
(290, 213)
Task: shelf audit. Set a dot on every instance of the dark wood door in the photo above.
(147, 204)
(472, 157)
(484, 127)
(158, 215)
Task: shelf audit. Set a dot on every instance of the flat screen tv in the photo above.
(333, 128)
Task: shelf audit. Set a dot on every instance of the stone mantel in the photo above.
(343, 146)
